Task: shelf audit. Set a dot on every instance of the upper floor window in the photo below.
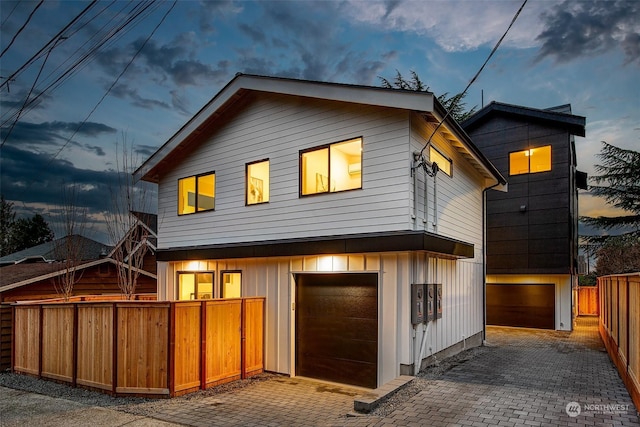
(331, 168)
(193, 285)
(530, 161)
(257, 182)
(196, 193)
(444, 163)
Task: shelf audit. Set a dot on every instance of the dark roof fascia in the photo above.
(401, 241)
(573, 123)
(453, 124)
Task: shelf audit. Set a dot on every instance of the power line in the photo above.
(53, 40)
(10, 13)
(22, 28)
(83, 60)
(461, 94)
(114, 83)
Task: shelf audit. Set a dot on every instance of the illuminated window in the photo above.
(195, 285)
(332, 168)
(231, 284)
(258, 182)
(530, 161)
(196, 193)
(444, 163)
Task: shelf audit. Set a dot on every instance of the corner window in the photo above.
(193, 286)
(331, 168)
(532, 160)
(257, 182)
(444, 163)
(196, 193)
(231, 284)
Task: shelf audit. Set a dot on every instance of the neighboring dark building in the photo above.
(532, 230)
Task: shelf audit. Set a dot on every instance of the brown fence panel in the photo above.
(223, 341)
(57, 342)
(5, 336)
(186, 356)
(26, 342)
(588, 301)
(634, 335)
(253, 336)
(142, 348)
(95, 346)
(620, 327)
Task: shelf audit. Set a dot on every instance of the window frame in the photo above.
(195, 284)
(328, 148)
(246, 182)
(196, 177)
(221, 284)
(529, 160)
(447, 158)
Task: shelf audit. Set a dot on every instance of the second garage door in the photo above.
(337, 327)
(524, 305)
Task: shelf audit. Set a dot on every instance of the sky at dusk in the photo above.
(86, 77)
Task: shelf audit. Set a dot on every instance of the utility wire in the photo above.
(114, 83)
(53, 40)
(461, 94)
(10, 13)
(21, 28)
(85, 58)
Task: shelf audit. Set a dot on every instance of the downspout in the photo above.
(484, 260)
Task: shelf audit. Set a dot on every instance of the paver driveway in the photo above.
(522, 377)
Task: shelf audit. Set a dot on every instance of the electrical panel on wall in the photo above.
(430, 303)
(418, 303)
(438, 297)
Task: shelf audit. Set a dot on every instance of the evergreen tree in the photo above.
(28, 232)
(7, 221)
(455, 104)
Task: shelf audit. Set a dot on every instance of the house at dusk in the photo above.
(532, 231)
(337, 203)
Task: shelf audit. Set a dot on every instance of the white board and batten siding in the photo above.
(277, 127)
(274, 278)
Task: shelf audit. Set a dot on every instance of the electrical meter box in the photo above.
(438, 300)
(418, 314)
(430, 302)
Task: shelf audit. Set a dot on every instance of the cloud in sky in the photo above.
(48, 133)
(576, 29)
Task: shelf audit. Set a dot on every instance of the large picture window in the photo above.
(196, 193)
(444, 163)
(331, 168)
(532, 160)
(258, 182)
(192, 285)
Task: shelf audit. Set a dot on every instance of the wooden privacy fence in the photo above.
(619, 325)
(588, 301)
(146, 348)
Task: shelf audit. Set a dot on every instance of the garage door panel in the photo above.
(350, 328)
(521, 305)
(338, 348)
(337, 327)
(341, 371)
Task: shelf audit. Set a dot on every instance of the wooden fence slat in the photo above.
(95, 346)
(254, 336)
(187, 346)
(26, 345)
(222, 341)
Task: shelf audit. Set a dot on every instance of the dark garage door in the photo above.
(523, 305)
(337, 327)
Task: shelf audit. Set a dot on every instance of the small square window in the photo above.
(195, 285)
(258, 182)
(533, 160)
(196, 193)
